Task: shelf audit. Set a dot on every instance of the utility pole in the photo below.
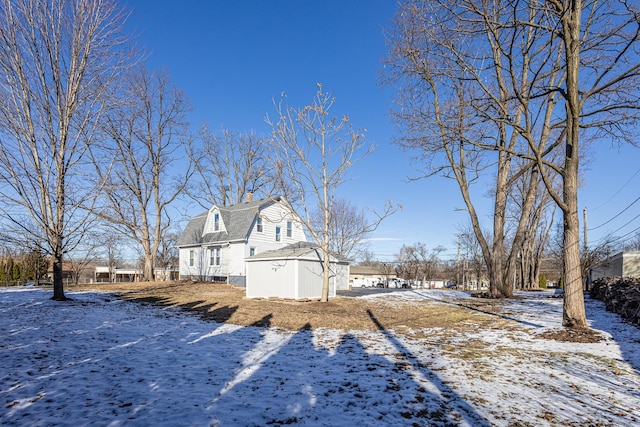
(586, 240)
(585, 256)
(458, 263)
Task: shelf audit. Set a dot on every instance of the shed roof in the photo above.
(295, 250)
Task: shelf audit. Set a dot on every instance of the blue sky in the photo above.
(233, 57)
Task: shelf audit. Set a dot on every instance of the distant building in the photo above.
(622, 264)
(368, 276)
(131, 274)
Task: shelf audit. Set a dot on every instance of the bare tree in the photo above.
(601, 76)
(367, 257)
(168, 253)
(632, 244)
(58, 59)
(315, 152)
(536, 72)
(85, 255)
(141, 183)
(407, 262)
(456, 110)
(348, 228)
(417, 262)
(112, 253)
(228, 167)
(536, 235)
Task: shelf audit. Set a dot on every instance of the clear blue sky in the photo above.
(233, 57)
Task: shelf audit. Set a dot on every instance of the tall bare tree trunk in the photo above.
(573, 314)
(58, 62)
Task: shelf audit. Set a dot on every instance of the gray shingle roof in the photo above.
(295, 250)
(238, 221)
(291, 251)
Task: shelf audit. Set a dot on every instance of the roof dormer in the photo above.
(214, 224)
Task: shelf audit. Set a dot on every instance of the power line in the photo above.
(633, 219)
(616, 216)
(619, 239)
(617, 192)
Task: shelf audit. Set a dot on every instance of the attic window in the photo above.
(278, 238)
(259, 225)
(216, 222)
(289, 229)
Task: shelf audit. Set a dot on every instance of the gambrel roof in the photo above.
(238, 221)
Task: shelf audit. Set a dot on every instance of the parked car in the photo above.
(451, 285)
(38, 284)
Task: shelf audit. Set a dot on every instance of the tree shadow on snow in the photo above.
(299, 381)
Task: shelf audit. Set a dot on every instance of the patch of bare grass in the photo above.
(226, 304)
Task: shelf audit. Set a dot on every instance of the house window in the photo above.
(289, 229)
(216, 222)
(278, 234)
(252, 251)
(214, 256)
(192, 258)
(259, 225)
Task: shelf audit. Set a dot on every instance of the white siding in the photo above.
(341, 272)
(215, 270)
(271, 279)
(631, 264)
(210, 225)
(297, 278)
(310, 279)
(198, 269)
(274, 216)
(236, 254)
(624, 264)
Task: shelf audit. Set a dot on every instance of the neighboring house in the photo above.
(367, 276)
(67, 272)
(130, 274)
(294, 272)
(623, 264)
(214, 244)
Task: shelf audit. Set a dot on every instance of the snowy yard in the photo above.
(103, 361)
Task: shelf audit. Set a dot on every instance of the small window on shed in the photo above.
(192, 258)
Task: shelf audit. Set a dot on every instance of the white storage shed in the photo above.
(293, 272)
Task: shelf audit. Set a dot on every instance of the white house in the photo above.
(215, 243)
(295, 272)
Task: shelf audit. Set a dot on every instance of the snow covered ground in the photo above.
(102, 361)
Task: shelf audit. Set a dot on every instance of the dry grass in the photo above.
(227, 304)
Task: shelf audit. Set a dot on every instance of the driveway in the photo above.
(358, 292)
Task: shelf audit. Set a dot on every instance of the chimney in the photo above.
(249, 196)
